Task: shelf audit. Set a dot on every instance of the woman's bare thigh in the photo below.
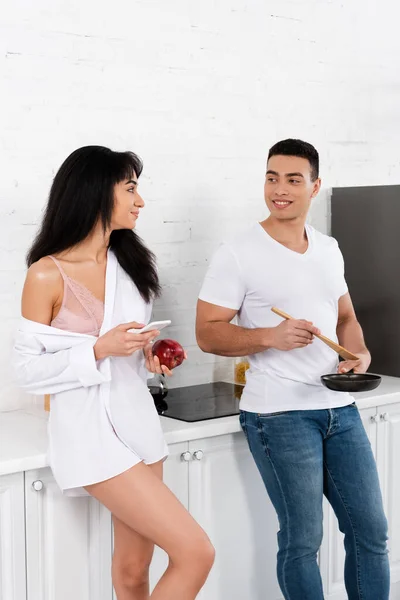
(130, 547)
(143, 503)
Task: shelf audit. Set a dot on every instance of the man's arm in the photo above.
(350, 336)
(217, 335)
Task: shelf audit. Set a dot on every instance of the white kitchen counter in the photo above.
(23, 434)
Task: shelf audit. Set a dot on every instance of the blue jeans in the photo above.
(302, 455)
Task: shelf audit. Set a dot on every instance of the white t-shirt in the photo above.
(254, 273)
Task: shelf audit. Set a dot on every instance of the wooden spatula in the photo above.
(339, 349)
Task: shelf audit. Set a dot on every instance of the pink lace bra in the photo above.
(81, 311)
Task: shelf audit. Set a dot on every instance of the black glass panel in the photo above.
(200, 402)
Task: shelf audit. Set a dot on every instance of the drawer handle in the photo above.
(198, 454)
(186, 456)
(37, 485)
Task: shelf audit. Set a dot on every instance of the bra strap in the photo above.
(63, 274)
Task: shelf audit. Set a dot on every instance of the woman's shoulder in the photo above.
(44, 272)
(42, 290)
(44, 279)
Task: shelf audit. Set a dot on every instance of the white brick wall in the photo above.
(200, 90)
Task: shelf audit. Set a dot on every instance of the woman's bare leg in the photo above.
(131, 562)
(132, 557)
(143, 503)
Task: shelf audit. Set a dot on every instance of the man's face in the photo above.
(289, 189)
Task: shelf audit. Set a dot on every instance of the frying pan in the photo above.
(351, 382)
(343, 382)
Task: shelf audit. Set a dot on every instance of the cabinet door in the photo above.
(332, 551)
(68, 543)
(389, 472)
(12, 538)
(227, 497)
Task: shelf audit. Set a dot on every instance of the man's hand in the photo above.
(293, 333)
(357, 366)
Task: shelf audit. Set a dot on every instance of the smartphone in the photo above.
(155, 325)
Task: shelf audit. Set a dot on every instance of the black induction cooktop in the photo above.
(199, 402)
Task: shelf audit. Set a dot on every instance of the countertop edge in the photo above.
(19, 465)
(30, 426)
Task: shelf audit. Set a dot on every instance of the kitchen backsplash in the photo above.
(201, 117)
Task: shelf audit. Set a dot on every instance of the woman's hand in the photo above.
(119, 342)
(153, 362)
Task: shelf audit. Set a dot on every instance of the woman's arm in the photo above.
(37, 370)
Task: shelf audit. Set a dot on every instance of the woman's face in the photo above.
(127, 204)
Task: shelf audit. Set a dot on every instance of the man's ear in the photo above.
(317, 187)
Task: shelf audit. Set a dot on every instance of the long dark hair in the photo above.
(82, 193)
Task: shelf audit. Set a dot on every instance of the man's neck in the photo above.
(291, 233)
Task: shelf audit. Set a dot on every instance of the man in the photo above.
(305, 439)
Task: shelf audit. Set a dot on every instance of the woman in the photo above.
(90, 281)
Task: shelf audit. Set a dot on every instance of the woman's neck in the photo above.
(93, 248)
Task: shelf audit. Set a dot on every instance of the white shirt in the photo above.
(102, 417)
(254, 273)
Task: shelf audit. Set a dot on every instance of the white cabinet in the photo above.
(227, 497)
(68, 543)
(54, 547)
(389, 473)
(382, 425)
(12, 538)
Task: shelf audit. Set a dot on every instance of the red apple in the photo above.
(170, 353)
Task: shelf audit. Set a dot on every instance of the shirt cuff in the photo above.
(83, 363)
(219, 302)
